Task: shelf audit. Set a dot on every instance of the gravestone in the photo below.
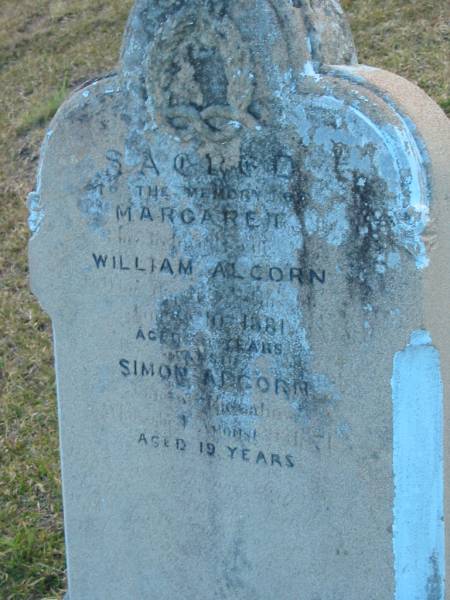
(244, 251)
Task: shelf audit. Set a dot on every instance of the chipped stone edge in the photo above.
(418, 158)
(36, 209)
(36, 212)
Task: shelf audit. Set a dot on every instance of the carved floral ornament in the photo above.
(201, 73)
(201, 77)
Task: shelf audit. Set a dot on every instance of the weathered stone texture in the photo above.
(236, 243)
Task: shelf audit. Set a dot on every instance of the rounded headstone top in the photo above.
(315, 31)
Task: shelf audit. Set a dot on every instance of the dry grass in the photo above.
(47, 48)
(411, 38)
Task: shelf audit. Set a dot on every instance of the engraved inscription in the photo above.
(233, 454)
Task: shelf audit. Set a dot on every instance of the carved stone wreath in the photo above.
(201, 78)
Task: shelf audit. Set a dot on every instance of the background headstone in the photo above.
(244, 253)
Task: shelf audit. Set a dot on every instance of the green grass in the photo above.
(42, 113)
(411, 38)
(48, 47)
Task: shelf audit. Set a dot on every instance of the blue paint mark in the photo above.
(419, 541)
(36, 214)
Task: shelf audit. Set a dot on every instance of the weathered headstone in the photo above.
(244, 253)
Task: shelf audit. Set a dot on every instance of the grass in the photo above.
(411, 38)
(42, 113)
(48, 47)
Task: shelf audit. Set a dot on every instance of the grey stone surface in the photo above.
(237, 247)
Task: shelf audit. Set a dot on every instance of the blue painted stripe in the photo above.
(419, 544)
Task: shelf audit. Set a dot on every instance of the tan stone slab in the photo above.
(243, 254)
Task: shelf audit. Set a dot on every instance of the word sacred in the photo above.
(281, 165)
